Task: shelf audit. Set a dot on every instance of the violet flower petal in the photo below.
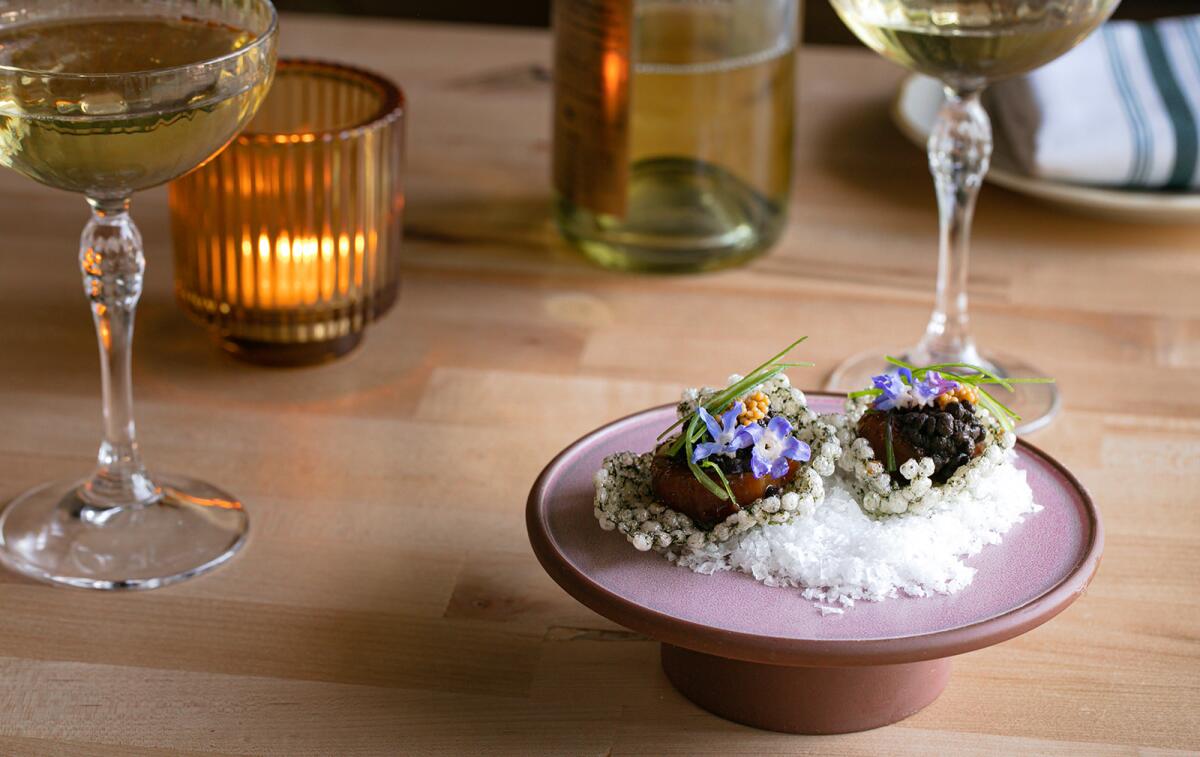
(933, 386)
(758, 466)
(780, 467)
(714, 430)
(803, 452)
(748, 435)
(779, 426)
(892, 389)
(791, 448)
(942, 384)
(729, 421)
(706, 450)
(890, 383)
(741, 441)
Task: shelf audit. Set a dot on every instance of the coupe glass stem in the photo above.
(960, 150)
(110, 256)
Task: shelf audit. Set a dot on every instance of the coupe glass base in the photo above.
(1037, 404)
(49, 533)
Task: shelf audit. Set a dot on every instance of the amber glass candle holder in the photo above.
(287, 243)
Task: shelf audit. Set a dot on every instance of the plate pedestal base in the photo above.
(804, 700)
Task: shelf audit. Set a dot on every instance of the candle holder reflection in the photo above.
(287, 243)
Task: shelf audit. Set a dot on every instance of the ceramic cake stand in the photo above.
(767, 657)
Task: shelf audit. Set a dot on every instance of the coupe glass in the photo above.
(965, 44)
(104, 98)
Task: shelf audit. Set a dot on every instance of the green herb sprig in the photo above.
(694, 428)
(974, 375)
(887, 442)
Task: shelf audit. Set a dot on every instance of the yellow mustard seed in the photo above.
(964, 393)
(757, 405)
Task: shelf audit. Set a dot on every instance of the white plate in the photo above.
(916, 107)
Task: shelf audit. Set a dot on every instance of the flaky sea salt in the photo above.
(839, 554)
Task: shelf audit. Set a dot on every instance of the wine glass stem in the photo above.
(110, 256)
(960, 149)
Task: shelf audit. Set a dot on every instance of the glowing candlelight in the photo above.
(287, 243)
(295, 271)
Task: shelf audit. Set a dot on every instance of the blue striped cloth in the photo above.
(1119, 110)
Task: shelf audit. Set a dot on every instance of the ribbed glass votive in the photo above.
(287, 243)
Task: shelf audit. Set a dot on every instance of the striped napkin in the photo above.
(1121, 109)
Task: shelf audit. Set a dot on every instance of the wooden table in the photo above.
(388, 601)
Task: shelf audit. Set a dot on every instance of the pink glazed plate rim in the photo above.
(769, 649)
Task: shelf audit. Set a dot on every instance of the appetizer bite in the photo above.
(747, 455)
(734, 484)
(925, 434)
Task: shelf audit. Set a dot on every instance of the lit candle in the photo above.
(303, 270)
(287, 242)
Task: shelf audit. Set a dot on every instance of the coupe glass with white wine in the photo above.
(966, 44)
(105, 98)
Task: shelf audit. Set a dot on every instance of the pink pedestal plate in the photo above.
(768, 658)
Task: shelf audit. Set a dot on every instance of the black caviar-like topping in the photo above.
(947, 435)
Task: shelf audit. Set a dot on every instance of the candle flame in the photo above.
(293, 270)
(247, 293)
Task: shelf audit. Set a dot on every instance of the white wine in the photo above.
(99, 131)
(709, 139)
(972, 42)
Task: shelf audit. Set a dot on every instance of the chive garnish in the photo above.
(974, 375)
(694, 428)
(887, 443)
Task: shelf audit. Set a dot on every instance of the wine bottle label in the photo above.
(591, 102)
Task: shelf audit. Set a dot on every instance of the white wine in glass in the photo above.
(94, 141)
(105, 98)
(966, 44)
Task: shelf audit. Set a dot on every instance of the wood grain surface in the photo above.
(388, 602)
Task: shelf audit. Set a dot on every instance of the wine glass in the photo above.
(107, 97)
(966, 44)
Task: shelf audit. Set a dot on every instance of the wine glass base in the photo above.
(50, 534)
(1037, 404)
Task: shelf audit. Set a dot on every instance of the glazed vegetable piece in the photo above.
(676, 487)
(737, 458)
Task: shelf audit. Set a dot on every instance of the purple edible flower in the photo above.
(895, 391)
(727, 436)
(932, 387)
(900, 389)
(774, 446)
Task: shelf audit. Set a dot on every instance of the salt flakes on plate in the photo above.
(839, 554)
